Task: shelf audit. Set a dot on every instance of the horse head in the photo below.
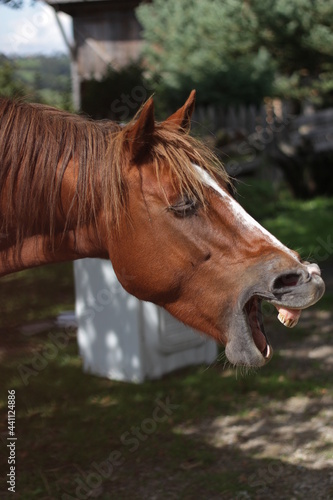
(184, 243)
(156, 202)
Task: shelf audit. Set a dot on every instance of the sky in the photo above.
(32, 30)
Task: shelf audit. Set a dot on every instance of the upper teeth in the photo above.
(288, 322)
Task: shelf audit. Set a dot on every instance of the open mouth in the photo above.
(253, 313)
(247, 343)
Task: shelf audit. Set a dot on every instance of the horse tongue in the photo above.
(288, 317)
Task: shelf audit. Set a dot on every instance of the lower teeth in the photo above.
(268, 351)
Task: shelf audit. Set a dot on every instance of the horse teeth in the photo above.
(289, 323)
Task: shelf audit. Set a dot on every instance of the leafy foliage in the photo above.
(9, 86)
(52, 72)
(232, 50)
(44, 79)
(47, 77)
(299, 37)
(207, 45)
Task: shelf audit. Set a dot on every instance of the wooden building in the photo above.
(106, 32)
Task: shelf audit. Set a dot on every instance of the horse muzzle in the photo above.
(289, 292)
(298, 289)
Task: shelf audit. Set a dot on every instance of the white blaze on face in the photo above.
(240, 214)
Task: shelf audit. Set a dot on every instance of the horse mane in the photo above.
(37, 144)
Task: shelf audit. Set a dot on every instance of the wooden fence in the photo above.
(242, 133)
(242, 118)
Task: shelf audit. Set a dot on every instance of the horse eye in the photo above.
(184, 207)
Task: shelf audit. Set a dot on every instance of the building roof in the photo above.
(78, 7)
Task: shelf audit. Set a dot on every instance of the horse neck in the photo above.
(72, 237)
(41, 249)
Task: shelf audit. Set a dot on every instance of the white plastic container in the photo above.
(123, 338)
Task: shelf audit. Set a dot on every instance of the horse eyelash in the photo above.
(185, 207)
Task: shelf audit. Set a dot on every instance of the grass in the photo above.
(80, 435)
(36, 294)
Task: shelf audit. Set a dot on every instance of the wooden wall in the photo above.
(102, 39)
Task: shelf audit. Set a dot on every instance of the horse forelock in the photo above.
(176, 151)
(181, 152)
(37, 145)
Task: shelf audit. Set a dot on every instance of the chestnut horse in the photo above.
(154, 201)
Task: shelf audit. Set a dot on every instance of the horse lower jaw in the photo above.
(289, 292)
(249, 346)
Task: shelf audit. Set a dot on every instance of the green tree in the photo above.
(235, 50)
(209, 45)
(9, 87)
(299, 36)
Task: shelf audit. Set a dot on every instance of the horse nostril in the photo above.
(289, 280)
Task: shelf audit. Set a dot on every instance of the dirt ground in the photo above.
(294, 442)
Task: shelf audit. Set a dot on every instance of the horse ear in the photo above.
(139, 135)
(182, 118)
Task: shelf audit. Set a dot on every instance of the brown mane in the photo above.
(37, 144)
